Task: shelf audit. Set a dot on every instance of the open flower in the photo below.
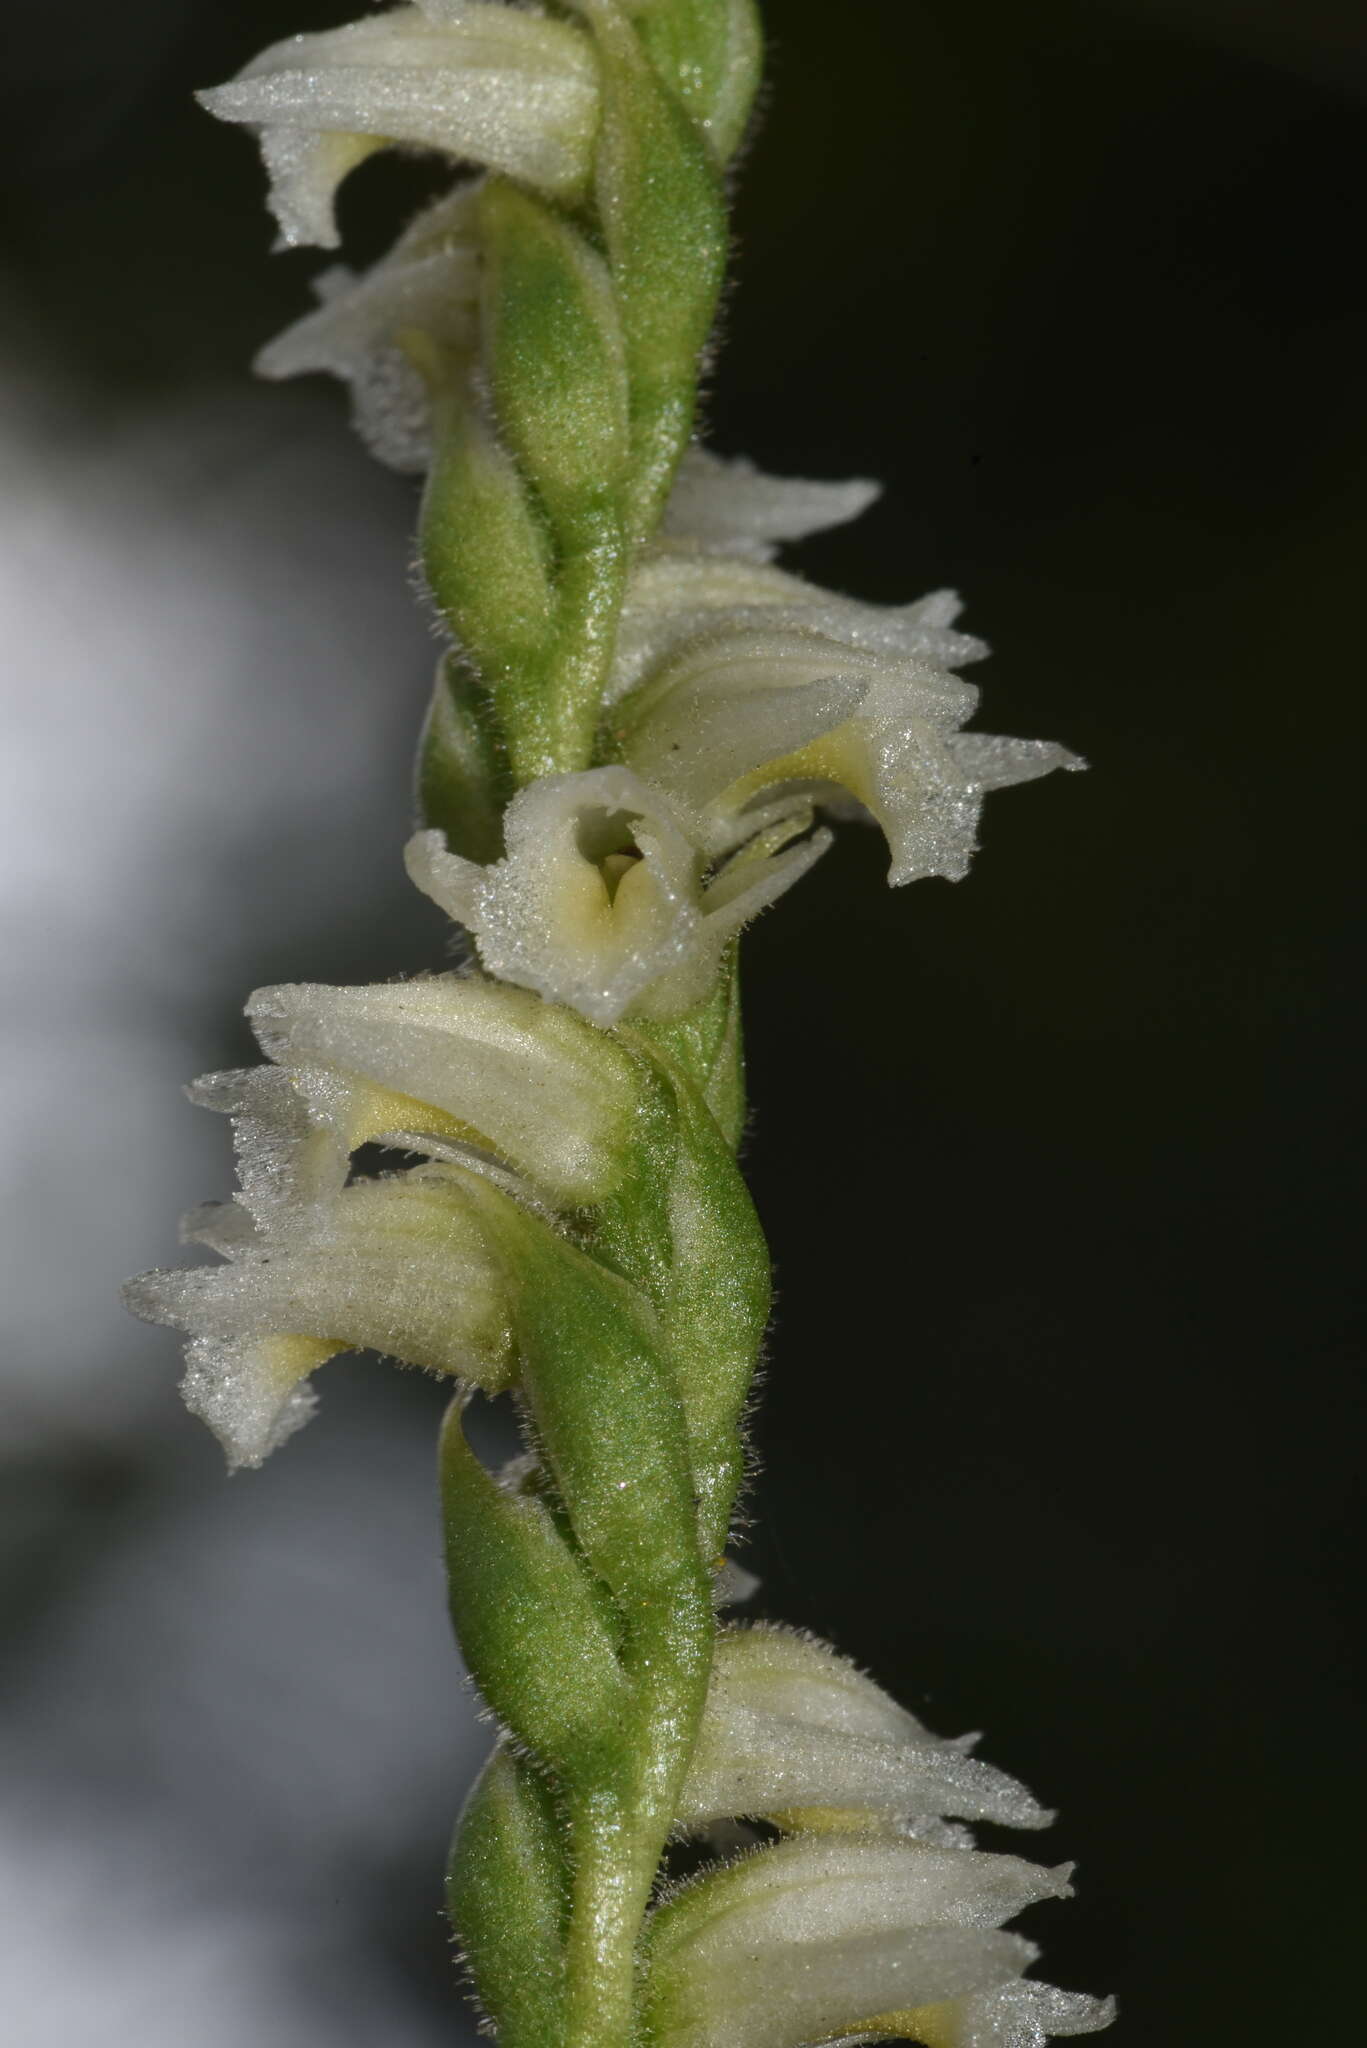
(399, 1264)
(604, 899)
(737, 684)
(844, 1935)
(474, 79)
(486, 1085)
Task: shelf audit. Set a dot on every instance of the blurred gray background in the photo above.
(1059, 1166)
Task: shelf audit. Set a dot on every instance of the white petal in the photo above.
(731, 704)
(526, 1079)
(813, 1937)
(729, 505)
(990, 761)
(402, 1267)
(675, 596)
(1026, 2015)
(289, 1166)
(790, 1725)
(494, 84)
(252, 1396)
(598, 895)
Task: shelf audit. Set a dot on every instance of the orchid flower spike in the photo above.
(638, 715)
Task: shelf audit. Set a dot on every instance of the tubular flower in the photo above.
(603, 900)
(487, 83)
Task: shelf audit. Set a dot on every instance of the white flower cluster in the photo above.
(875, 1916)
(742, 698)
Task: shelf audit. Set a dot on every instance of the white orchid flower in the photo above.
(399, 1264)
(427, 285)
(736, 683)
(822, 1936)
(478, 1080)
(794, 1732)
(758, 714)
(479, 81)
(604, 899)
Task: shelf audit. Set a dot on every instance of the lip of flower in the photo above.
(602, 900)
(492, 84)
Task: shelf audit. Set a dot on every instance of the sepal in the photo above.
(529, 1617)
(725, 504)
(507, 1894)
(400, 1265)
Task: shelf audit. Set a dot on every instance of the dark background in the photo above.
(1058, 1427)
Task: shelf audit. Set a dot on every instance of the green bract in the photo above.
(637, 717)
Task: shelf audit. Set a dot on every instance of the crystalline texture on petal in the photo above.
(289, 1165)
(728, 505)
(602, 900)
(252, 1396)
(790, 1726)
(427, 284)
(493, 84)
(675, 596)
(399, 1265)
(526, 1079)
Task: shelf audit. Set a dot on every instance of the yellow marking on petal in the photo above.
(374, 1111)
(833, 1820)
(934, 2026)
(838, 756)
